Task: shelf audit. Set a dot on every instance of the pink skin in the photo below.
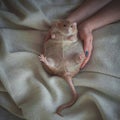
(91, 15)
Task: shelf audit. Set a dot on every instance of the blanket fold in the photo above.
(28, 91)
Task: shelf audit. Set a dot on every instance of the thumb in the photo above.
(86, 47)
(87, 44)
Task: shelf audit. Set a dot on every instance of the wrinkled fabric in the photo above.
(28, 91)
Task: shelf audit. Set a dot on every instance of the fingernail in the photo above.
(86, 53)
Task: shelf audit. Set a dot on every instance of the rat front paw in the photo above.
(43, 58)
(53, 36)
(82, 56)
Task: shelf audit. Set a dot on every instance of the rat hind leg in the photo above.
(82, 56)
(49, 65)
(79, 58)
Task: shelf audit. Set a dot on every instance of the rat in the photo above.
(63, 55)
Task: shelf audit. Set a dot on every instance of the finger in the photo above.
(88, 53)
(85, 62)
(87, 58)
(86, 47)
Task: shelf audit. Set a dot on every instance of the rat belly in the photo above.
(63, 57)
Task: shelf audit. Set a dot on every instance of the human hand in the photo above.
(85, 34)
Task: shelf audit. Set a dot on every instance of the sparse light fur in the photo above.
(61, 55)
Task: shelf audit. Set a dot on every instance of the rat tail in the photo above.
(74, 96)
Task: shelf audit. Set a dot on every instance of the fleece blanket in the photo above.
(28, 91)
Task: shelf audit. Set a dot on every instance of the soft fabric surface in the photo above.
(28, 91)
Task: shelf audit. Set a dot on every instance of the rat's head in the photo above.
(66, 27)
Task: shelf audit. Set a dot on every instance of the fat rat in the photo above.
(63, 55)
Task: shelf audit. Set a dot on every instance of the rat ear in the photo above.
(74, 23)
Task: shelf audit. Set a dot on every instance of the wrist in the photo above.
(71, 19)
(86, 26)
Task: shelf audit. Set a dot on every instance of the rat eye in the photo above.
(71, 26)
(64, 25)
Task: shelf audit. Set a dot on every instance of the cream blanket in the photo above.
(27, 91)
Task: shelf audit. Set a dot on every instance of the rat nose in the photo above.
(69, 30)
